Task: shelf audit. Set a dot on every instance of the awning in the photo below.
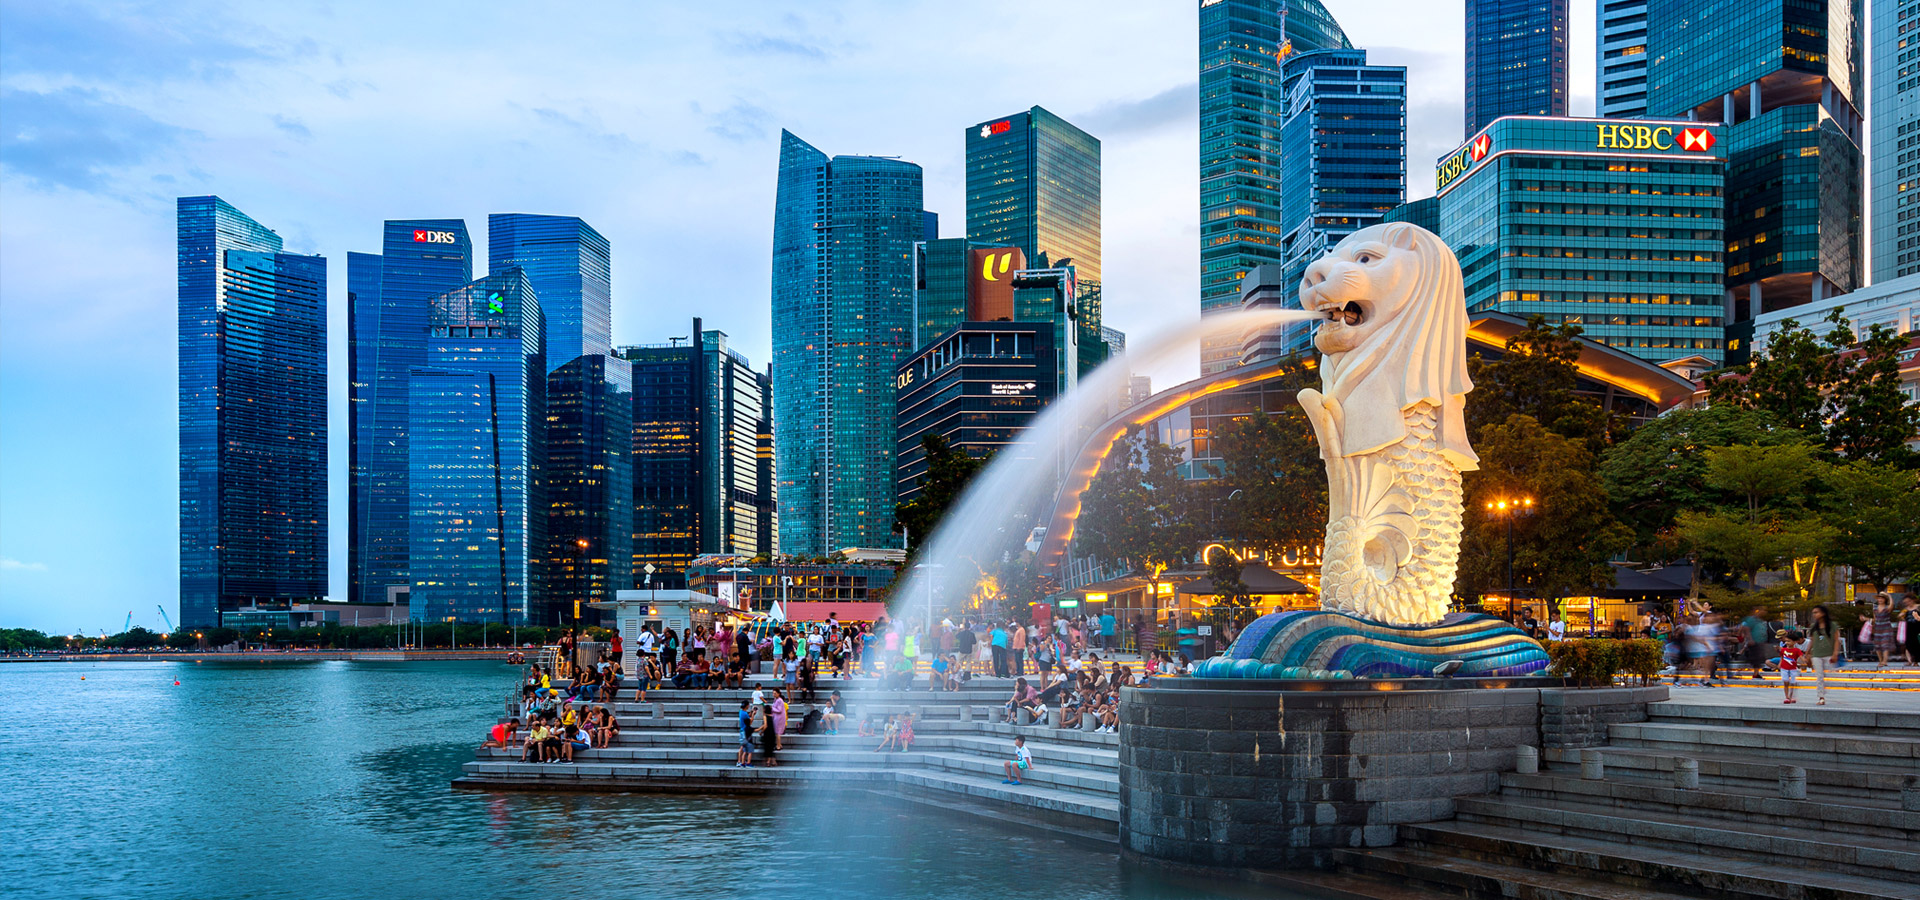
(1669, 581)
(1258, 578)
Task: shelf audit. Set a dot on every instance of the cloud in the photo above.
(293, 127)
(587, 126)
(768, 45)
(1177, 106)
(75, 137)
(742, 121)
(152, 44)
(344, 88)
(9, 564)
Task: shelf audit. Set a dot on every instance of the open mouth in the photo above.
(1351, 313)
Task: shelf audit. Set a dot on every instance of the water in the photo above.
(331, 780)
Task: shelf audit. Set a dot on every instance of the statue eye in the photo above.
(1363, 258)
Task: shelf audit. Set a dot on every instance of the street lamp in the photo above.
(585, 583)
(1509, 510)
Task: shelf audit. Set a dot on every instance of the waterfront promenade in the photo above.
(480, 654)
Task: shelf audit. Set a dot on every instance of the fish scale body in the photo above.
(1417, 592)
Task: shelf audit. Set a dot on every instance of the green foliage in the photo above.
(1660, 469)
(1595, 661)
(1874, 510)
(1562, 550)
(1272, 484)
(1139, 508)
(1763, 527)
(1536, 377)
(18, 640)
(1231, 594)
(1849, 402)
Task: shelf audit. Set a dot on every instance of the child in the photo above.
(891, 740)
(904, 740)
(1022, 760)
(1793, 651)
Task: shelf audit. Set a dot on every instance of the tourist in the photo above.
(573, 742)
(649, 677)
(502, 734)
(1070, 709)
(815, 640)
(1823, 649)
(736, 672)
(1792, 652)
(836, 713)
(1017, 647)
(1023, 695)
(1022, 760)
(742, 648)
(1556, 629)
(1109, 712)
(809, 676)
(693, 675)
(1759, 637)
(790, 670)
(779, 713)
(890, 735)
(1122, 676)
(1909, 629)
(997, 638)
(903, 741)
(1108, 629)
(647, 644)
(744, 758)
(1882, 629)
(669, 652)
(937, 674)
(609, 727)
(535, 747)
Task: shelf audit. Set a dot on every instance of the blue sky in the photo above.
(656, 122)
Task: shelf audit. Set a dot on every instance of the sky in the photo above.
(657, 122)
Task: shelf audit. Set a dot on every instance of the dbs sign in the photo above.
(423, 236)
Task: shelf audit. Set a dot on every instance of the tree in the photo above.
(1874, 510)
(1763, 527)
(1842, 393)
(1563, 549)
(1273, 465)
(1139, 508)
(1536, 377)
(948, 473)
(1660, 469)
(1230, 593)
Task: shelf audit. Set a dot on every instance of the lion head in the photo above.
(1397, 336)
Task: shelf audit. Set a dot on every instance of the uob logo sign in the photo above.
(423, 236)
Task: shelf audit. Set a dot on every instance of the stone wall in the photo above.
(1277, 778)
(1573, 718)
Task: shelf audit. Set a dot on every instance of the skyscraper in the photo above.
(588, 481)
(1622, 65)
(1242, 46)
(1033, 182)
(1895, 107)
(1784, 77)
(1516, 59)
(476, 423)
(1344, 146)
(843, 235)
(388, 307)
(570, 267)
(702, 483)
(253, 415)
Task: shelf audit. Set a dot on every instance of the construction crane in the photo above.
(165, 618)
(129, 626)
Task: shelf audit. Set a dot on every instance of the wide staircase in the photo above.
(685, 740)
(1798, 803)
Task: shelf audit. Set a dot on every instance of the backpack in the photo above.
(811, 723)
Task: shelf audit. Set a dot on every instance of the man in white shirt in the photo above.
(1556, 629)
(646, 641)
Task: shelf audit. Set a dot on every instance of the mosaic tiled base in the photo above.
(1326, 644)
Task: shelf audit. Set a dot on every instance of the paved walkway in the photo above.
(1767, 693)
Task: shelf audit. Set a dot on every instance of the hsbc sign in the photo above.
(424, 236)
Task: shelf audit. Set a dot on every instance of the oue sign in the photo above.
(423, 236)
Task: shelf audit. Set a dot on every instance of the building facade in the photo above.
(843, 236)
(570, 267)
(757, 585)
(1611, 225)
(253, 415)
(1516, 59)
(1895, 107)
(588, 481)
(388, 304)
(1243, 44)
(978, 387)
(477, 426)
(1783, 78)
(1622, 62)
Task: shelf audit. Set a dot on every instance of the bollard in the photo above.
(1793, 782)
(1526, 760)
(966, 713)
(1053, 717)
(1089, 722)
(706, 710)
(1592, 766)
(1686, 774)
(659, 712)
(1910, 793)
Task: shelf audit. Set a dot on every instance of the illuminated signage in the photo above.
(1096, 598)
(1480, 146)
(992, 128)
(1652, 137)
(1069, 604)
(1697, 139)
(1010, 390)
(423, 236)
(903, 379)
(496, 304)
(1463, 159)
(990, 282)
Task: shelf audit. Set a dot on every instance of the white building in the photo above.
(1894, 303)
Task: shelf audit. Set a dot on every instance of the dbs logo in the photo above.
(988, 262)
(423, 236)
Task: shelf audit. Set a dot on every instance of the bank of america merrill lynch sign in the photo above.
(1615, 136)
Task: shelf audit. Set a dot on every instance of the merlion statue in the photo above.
(1389, 417)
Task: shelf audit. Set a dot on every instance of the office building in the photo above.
(588, 482)
(253, 415)
(1516, 59)
(1344, 149)
(1242, 46)
(388, 301)
(1894, 303)
(843, 235)
(978, 387)
(946, 273)
(1612, 225)
(570, 267)
(1784, 79)
(1033, 182)
(1895, 108)
(757, 584)
(476, 435)
(1622, 62)
(702, 456)
(1115, 339)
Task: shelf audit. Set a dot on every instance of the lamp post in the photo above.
(1509, 510)
(585, 582)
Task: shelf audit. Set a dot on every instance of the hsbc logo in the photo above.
(423, 236)
(1699, 140)
(992, 128)
(1480, 146)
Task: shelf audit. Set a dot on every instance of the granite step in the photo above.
(1788, 746)
(1762, 842)
(1859, 784)
(1804, 716)
(1427, 874)
(1639, 793)
(1647, 867)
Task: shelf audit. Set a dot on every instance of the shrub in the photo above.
(1594, 662)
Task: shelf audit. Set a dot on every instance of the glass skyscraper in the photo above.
(1622, 65)
(588, 482)
(570, 266)
(843, 235)
(1516, 59)
(1895, 107)
(1784, 76)
(389, 301)
(253, 415)
(1242, 46)
(1344, 146)
(476, 429)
